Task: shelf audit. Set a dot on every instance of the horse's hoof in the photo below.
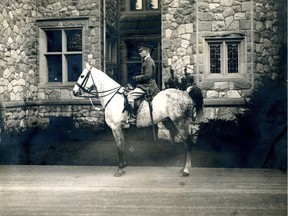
(184, 174)
(119, 173)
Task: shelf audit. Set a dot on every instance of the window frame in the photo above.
(62, 24)
(224, 42)
(144, 8)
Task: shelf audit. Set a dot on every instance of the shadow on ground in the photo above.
(63, 144)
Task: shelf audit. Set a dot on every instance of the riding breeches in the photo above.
(135, 94)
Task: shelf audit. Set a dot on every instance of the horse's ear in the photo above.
(87, 65)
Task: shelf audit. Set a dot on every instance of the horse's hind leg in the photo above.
(119, 138)
(183, 130)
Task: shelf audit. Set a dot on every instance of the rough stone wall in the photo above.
(185, 24)
(93, 39)
(218, 18)
(78, 8)
(19, 118)
(18, 51)
(22, 101)
(19, 74)
(178, 36)
(270, 38)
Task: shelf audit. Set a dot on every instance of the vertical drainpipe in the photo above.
(104, 36)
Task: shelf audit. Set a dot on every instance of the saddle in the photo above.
(148, 96)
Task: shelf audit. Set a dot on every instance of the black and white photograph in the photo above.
(143, 107)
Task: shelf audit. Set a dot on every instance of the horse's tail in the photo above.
(196, 94)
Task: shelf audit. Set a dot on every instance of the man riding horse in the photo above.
(144, 82)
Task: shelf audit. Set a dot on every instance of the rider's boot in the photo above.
(133, 113)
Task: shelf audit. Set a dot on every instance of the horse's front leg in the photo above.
(185, 170)
(119, 138)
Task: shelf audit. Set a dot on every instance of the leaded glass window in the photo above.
(63, 55)
(232, 58)
(74, 40)
(215, 58)
(223, 57)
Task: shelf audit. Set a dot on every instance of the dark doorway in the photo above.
(133, 59)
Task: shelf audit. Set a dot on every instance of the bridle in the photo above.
(84, 82)
(108, 92)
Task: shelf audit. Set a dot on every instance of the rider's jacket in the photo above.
(147, 76)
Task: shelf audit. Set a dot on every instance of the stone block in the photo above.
(201, 69)
(166, 43)
(203, 6)
(239, 16)
(200, 16)
(237, 9)
(259, 26)
(228, 12)
(7, 73)
(205, 26)
(200, 49)
(168, 33)
(221, 86)
(185, 43)
(245, 24)
(234, 26)
(212, 94)
(186, 36)
(228, 21)
(189, 28)
(186, 60)
(233, 94)
(65, 94)
(213, 6)
(218, 17)
(210, 113)
(206, 85)
(181, 51)
(246, 6)
(208, 16)
(222, 94)
(218, 26)
(226, 2)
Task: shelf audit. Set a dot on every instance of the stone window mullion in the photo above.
(224, 59)
(64, 62)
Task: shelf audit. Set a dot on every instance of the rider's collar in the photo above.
(146, 57)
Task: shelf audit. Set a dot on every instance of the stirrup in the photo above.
(131, 120)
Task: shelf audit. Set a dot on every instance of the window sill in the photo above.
(57, 85)
(15, 104)
(217, 78)
(228, 102)
(141, 12)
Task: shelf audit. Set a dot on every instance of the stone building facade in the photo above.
(257, 26)
(190, 31)
(27, 99)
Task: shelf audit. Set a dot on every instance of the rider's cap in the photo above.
(145, 47)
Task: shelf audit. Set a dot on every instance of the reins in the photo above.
(96, 94)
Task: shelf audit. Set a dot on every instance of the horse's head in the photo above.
(85, 82)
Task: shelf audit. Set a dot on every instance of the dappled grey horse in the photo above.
(170, 105)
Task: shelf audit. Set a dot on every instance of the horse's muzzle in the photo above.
(77, 93)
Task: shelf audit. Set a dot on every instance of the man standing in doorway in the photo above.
(145, 81)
